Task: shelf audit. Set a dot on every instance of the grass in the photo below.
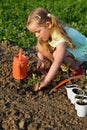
(13, 15)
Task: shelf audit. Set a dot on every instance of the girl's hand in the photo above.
(40, 65)
(40, 85)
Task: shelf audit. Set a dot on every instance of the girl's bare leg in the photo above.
(44, 52)
(70, 59)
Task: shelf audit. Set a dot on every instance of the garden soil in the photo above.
(21, 108)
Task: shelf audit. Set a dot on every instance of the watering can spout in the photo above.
(20, 54)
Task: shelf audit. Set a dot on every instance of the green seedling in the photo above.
(81, 102)
(33, 79)
(65, 68)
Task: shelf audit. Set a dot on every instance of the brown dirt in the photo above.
(23, 109)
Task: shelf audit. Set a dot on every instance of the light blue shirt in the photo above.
(79, 40)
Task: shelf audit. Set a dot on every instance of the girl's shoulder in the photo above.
(55, 35)
(56, 39)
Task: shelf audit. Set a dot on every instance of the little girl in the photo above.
(57, 42)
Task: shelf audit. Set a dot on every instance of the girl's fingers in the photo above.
(38, 65)
(37, 87)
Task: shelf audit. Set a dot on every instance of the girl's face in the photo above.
(42, 33)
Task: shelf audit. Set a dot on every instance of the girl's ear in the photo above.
(48, 24)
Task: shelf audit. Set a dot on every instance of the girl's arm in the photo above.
(58, 58)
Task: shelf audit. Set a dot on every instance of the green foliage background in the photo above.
(13, 15)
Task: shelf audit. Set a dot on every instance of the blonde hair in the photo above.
(41, 16)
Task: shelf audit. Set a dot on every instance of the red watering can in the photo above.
(20, 66)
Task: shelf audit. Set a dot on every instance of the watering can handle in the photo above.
(19, 68)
